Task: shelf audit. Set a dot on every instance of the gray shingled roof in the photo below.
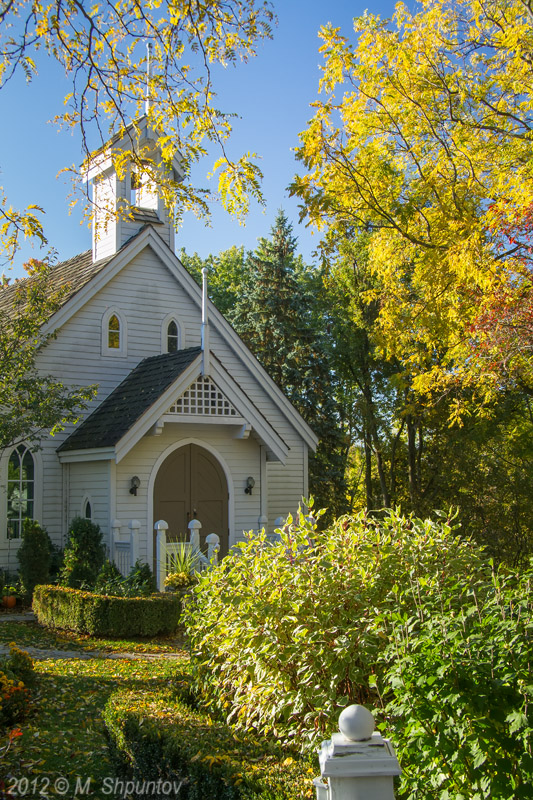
(128, 402)
(73, 274)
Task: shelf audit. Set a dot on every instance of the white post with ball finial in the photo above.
(359, 763)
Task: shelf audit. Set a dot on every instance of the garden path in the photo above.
(38, 653)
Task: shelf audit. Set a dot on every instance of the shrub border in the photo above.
(159, 737)
(105, 615)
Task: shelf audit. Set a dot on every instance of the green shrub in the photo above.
(105, 615)
(19, 665)
(57, 556)
(109, 579)
(460, 691)
(284, 636)
(34, 556)
(84, 554)
(159, 737)
(140, 580)
(16, 675)
(139, 583)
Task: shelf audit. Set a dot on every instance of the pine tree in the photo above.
(276, 317)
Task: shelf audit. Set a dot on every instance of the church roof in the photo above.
(72, 275)
(129, 401)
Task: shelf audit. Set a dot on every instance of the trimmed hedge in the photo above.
(158, 737)
(104, 615)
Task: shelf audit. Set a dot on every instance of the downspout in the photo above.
(205, 325)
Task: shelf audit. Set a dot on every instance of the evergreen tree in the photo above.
(276, 316)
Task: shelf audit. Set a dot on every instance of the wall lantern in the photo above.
(135, 483)
(250, 483)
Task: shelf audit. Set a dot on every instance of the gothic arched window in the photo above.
(20, 490)
(113, 333)
(172, 337)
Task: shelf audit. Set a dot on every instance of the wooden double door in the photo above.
(191, 484)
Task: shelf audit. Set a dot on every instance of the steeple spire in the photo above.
(148, 76)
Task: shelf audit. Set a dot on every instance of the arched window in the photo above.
(113, 333)
(20, 490)
(87, 511)
(172, 337)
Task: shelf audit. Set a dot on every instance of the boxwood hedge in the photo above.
(104, 615)
(159, 737)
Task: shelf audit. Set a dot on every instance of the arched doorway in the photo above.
(191, 484)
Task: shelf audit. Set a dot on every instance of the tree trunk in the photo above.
(368, 471)
(411, 455)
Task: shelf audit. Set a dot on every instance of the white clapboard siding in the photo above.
(90, 480)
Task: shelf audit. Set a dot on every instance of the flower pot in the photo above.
(9, 601)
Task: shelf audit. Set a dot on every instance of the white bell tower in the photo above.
(123, 205)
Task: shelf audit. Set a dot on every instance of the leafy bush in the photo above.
(397, 613)
(141, 580)
(284, 636)
(84, 554)
(109, 579)
(139, 583)
(105, 615)
(57, 557)
(460, 691)
(158, 736)
(34, 556)
(16, 675)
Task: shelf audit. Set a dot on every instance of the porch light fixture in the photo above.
(135, 483)
(250, 483)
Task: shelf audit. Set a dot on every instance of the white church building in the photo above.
(186, 423)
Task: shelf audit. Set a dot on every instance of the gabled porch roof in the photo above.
(142, 401)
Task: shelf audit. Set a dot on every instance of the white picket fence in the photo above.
(167, 553)
(125, 548)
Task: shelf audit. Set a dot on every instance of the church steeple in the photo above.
(124, 196)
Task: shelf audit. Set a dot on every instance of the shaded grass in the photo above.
(64, 735)
(31, 634)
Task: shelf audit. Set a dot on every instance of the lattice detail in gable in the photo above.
(203, 398)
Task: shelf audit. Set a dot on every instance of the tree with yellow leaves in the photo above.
(423, 138)
(115, 79)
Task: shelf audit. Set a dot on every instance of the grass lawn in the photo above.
(30, 634)
(63, 737)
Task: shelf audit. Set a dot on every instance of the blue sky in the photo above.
(271, 94)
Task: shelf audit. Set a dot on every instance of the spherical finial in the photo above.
(356, 723)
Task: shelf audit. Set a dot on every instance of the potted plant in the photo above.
(182, 570)
(9, 597)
